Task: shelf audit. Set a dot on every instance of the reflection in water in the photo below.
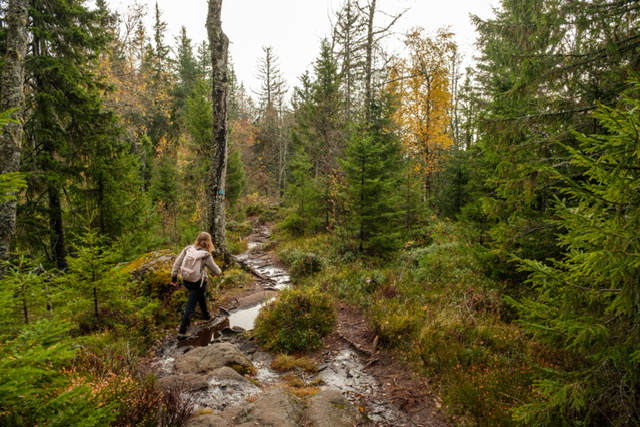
(245, 318)
(204, 335)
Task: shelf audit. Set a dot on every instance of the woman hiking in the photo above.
(190, 265)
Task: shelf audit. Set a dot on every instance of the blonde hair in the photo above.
(203, 241)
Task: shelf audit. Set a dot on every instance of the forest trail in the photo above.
(379, 390)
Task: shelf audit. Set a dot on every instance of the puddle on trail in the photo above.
(245, 318)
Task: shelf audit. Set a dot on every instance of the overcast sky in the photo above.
(294, 28)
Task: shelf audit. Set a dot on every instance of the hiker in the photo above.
(190, 265)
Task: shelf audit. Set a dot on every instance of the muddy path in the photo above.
(381, 387)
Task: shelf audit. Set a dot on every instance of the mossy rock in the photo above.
(151, 274)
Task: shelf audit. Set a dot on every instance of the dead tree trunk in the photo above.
(219, 45)
(12, 90)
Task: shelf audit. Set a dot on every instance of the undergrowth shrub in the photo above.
(35, 385)
(296, 321)
(306, 265)
(438, 306)
(237, 246)
(232, 278)
(301, 261)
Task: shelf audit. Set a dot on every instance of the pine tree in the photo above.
(23, 293)
(94, 287)
(79, 162)
(543, 67)
(35, 387)
(373, 166)
(588, 302)
(272, 145)
(187, 76)
(236, 178)
(303, 196)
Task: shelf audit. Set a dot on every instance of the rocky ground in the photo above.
(229, 380)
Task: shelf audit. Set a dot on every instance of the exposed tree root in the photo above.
(357, 346)
(250, 269)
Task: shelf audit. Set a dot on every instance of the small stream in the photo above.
(344, 372)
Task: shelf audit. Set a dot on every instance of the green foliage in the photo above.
(296, 321)
(11, 183)
(256, 205)
(236, 246)
(372, 166)
(453, 188)
(304, 196)
(587, 303)
(233, 278)
(35, 385)
(436, 307)
(94, 289)
(164, 187)
(305, 265)
(302, 263)
(236, 179)
(24, 294)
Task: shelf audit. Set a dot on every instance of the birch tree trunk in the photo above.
(368, 67)
(12, 97)
(219, 45)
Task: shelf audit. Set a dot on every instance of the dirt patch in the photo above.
(408, 392)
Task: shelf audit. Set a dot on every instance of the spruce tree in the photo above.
(372, 166)
(303, 196)
(36, 387)
(78, 160)
(587, 303)
(543, 68)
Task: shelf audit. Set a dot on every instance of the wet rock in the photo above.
(208, 420)
(255, 298)
(227, 374)
(276, 407)
(232, 331)
(185, 382)
(331, 408)
(248, 347)
(228, 388)
(204, 360)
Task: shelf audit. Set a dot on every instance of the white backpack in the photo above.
(192, 266)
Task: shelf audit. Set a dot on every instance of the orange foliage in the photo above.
(421, 86)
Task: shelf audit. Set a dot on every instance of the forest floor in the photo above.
(399, 386)
(376, 381)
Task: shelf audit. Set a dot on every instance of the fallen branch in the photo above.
(250, 269)
(356, 346)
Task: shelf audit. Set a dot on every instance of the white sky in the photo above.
(294, 28)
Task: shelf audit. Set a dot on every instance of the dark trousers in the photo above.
(196, 295)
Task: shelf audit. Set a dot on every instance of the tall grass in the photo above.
(436, 306)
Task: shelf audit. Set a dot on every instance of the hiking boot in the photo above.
(183, 336)
(207, 317)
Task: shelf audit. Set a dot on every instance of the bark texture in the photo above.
(12, 98)
(219, 45)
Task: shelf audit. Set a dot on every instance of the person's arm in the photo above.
(176, 266)
(212, 266)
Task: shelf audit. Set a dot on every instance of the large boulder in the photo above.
(208, 420)
(275, 408)
(184, 382)
(204, 360)
(331, 408)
